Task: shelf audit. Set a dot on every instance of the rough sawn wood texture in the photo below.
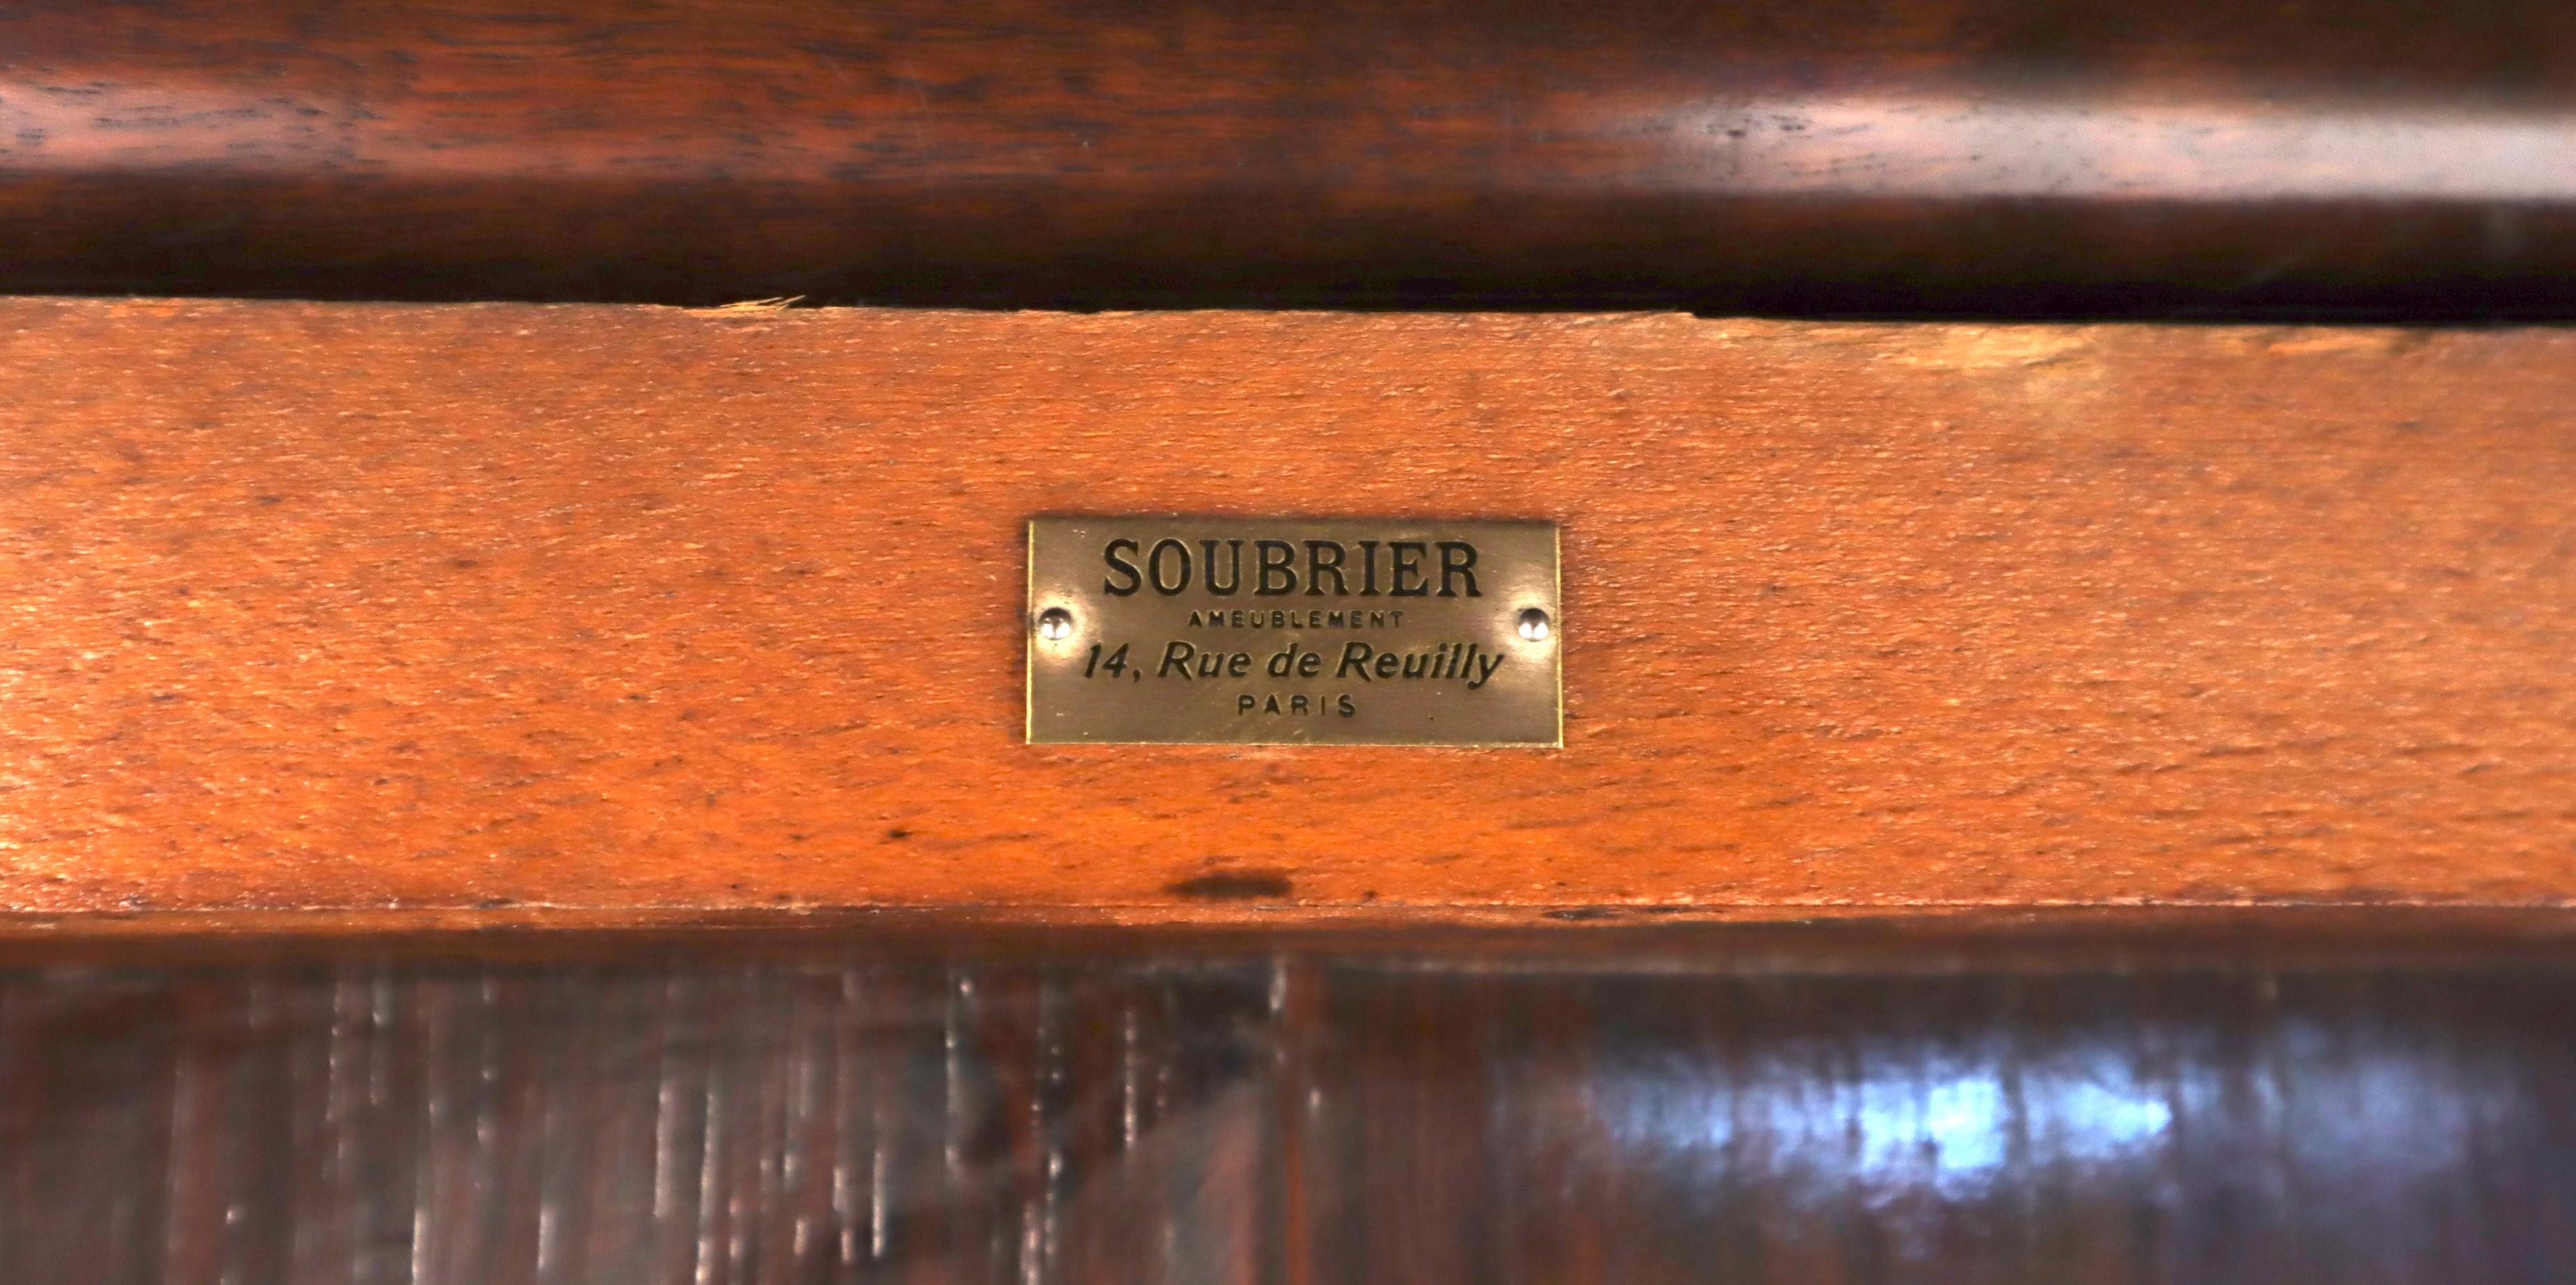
(647, 611)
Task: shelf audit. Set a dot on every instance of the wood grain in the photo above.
(629, 610)
(2118, 157)
(1213, 1119)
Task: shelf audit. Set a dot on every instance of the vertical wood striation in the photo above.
(766, 1123)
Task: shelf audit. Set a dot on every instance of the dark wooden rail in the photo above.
(1222, 1119)
(2394, 157)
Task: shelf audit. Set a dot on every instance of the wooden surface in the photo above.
(1218, 1119)
(649, 612)
(2116, 157)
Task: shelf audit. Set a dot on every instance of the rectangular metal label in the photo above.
(1256, 631)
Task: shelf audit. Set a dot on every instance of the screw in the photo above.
(1055, 623)
(1535, 626)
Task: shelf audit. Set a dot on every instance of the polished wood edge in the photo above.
(1781, 938)
(2019, 156)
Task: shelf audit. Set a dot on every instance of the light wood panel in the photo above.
(645, 611)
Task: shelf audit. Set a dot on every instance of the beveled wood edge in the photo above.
(1787, 939)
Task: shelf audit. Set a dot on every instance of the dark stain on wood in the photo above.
(1234, 885)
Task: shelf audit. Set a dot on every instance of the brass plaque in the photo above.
(1259, 631)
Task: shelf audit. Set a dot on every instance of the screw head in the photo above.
(1055, 623)
(1535, 626)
